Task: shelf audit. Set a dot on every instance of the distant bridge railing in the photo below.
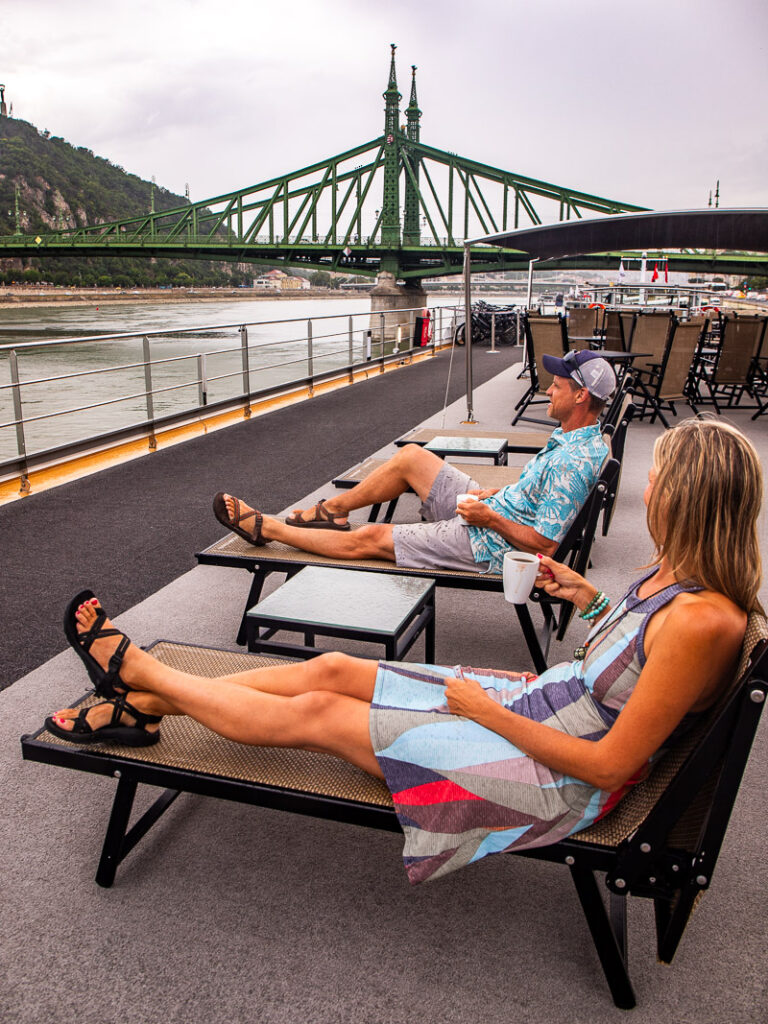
(68, 396)
(79, 237)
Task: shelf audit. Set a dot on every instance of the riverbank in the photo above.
(21, 297)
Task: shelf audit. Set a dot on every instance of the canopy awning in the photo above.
(737, 230)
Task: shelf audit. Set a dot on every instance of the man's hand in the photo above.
(476, 513)
(487, 493)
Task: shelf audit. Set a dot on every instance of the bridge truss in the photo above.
(391, 204)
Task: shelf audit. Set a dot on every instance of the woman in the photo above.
(481, 761)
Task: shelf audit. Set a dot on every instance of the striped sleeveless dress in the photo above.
(462, 792)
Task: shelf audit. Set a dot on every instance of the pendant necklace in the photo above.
(581, 652)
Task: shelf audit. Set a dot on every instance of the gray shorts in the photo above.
(443, 541)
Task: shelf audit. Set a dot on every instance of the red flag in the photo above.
(666, 272)
(655, 275)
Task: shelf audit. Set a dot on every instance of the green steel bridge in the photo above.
(392, 204)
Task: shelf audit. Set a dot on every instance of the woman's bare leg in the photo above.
(325, 708)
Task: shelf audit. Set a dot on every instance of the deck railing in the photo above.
(66, 396)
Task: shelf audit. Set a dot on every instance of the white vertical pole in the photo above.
(643, 268)
(468, 330)
(530, 284)
(493, 351)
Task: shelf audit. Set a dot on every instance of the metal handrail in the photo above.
(373, 339)
(202, 327)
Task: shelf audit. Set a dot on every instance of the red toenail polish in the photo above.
(94, 601)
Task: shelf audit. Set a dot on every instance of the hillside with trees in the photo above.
(64, 186)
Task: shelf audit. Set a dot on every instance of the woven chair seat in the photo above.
(190, 746)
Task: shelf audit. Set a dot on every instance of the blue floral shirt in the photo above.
(547, 497)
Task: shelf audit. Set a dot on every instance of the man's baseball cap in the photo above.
(588, 369)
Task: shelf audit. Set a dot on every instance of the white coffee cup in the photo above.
(520, 571)
(465, 497)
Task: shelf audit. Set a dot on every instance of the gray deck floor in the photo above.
(228, 913)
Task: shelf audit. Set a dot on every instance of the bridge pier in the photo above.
(395, 307)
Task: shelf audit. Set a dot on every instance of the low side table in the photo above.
(473, 447)
(349, 603)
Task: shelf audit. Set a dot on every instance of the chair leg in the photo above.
(671, 921)
(119, 840)
(611, 948)
(660, 414)
(538, 655)
(253, 598)
(390, 511)
(111, 853)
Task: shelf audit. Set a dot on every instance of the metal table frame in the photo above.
(421, 618)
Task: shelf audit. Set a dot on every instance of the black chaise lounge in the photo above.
(661, 842)
(575, 548)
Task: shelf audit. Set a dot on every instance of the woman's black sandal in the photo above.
(104, 680)
(135, 735)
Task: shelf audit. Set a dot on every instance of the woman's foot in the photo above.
(100, 646)
(115, 720)
(240, 518)
(102, 650)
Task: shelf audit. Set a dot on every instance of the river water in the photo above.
(278, 353)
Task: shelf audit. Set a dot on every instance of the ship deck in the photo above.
(229, 913)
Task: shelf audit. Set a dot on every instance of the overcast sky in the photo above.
(649, 102)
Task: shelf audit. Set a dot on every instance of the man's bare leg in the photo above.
(324, 708)
(411, 467)
(374, 540)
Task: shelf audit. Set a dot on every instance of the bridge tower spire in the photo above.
(390, 210)
(411, 232)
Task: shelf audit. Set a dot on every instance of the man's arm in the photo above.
(524, 538)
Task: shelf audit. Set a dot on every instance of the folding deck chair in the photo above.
(582, 323)
(736, 368)
(575, 548)
(543, 336)
(661, 842)
(650, 339)
(670, 381)
(627, 323)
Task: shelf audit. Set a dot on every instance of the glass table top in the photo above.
(348, 598)
(486, 445)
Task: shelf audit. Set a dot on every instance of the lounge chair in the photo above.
(575, 548)
(661, 842)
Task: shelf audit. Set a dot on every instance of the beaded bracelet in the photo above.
(598, 604)
(598, 609)
(591, 604)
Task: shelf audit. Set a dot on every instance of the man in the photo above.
(530, 515)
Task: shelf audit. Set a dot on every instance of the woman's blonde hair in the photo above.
(704, 506)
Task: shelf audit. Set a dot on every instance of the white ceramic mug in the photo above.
(520, 571)
(465, 497)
